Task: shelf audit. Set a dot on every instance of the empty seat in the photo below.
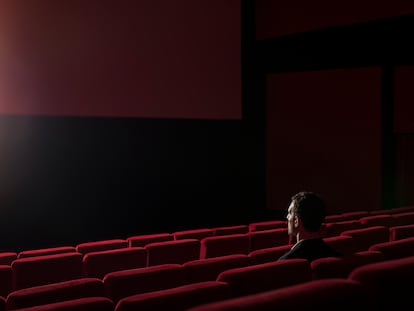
(356, 215)
(57, 292)
(208, 269)
(240, 229)
(176, 299)
(335, 218)
(224, 245)
(389, 282)
(344, 245)
(142, 240)
(365, 237)
(47, 251)
(98, 246)
(267, 276)
(378, 220)
(179, 251)
(321, 295)
(269, 254)
(268, 238)
(402, 219)
(2, 304)
(395, 249)
(267, 225)
(6, 258)
(340, 267)
(125, 283)
(336, 228)
(193, 234)
(6, 280)
(40, 270)
(98, 264)
(82, 304)
(401, 232)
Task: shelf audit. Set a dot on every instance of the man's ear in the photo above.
(296, 221)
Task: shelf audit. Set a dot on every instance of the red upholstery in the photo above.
(98, 264)
(2, 304)
(125, 283)
(267, 276)
(355, 215)
(179, 251)
(403, 219)
(6, 280)
(40, 270)
(224, 245)
(6, 258)
(193, 234)
(176, 299)
(208, 269)
(321, 295)
(267, 225)
(268, 238)
(366, 237)
(336, 228)
(389, 282)
(99, 246)
(345, 245)
(269, 254)
(395, 249)
(82, 304)
(47, 251)
(401, 232)
(241, 229)
(340, 267)
(57, 292)
(378, 220)
(142, 240)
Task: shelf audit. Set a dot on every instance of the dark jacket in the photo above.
(311, 249)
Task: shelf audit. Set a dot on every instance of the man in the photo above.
(306, 214)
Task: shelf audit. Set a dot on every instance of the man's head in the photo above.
(305, 213)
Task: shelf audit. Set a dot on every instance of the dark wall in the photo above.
(67, 180)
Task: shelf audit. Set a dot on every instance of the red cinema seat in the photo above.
(267, 225)
(179, 252)
(395, 249)
(82, 304)
(268, 238)
(6, 280)
(321, 295)
(336, 228)
(403, 219)
(240, 229)
(208, 269)
(142, 240)
(378, 220)
(224, 245)
(41, 270)
(365, 237)
(6, 258)
(176, 299)
(98, 264)
(343, 244)
(56, 292)
(99, 246)
(125, 283)
(401, 232)
(340, 267)
(193, 234)
(2, 304)
(267, 276)
(47, 251)
(389, 283)
(269, 254)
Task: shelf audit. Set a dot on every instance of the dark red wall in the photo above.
(324, 135)
(278, 18)
(403, 99)
(146, 58)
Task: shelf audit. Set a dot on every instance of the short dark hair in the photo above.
(310, 208)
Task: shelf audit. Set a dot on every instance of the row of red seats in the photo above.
(127, 288)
